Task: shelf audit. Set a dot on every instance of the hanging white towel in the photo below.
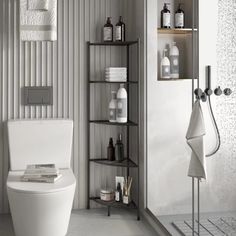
(38, 5)
(38, 25)
(195, 139)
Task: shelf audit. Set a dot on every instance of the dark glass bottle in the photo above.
(108, 31)
(111, 151)
(119, 150)
(120, 30)
(165, 17)
(179, 18)
(118, 193)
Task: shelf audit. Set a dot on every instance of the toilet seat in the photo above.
(15, 184)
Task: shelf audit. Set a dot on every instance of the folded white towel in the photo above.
(38, 25)
(195, 139)
(116, 69)
(38, 5)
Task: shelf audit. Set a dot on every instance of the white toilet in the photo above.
(40, 209)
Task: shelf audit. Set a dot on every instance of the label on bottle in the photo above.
(166, 19)
(118, 32)
(174, 64)
(179, 20)
(165, 72)
(112, 114)
(107, 33)
(122, 108)
(117, 196)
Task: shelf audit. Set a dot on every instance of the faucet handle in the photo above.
(218, 91)
(227, 91)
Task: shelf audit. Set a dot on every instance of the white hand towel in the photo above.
(195, 139)
(38, 5)
(38, 25)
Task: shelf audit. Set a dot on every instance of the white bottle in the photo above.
(121, 114)
(165, 66)
(113, 107)
(174, 61)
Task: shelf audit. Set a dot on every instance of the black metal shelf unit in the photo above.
(127, 163)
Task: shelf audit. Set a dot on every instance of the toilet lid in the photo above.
(66, 181)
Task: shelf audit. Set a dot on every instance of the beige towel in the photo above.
(38, 25)
(195, 139)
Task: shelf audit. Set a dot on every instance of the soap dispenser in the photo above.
(165, 66)
(165, 17)
(174, 61)
(119, 149)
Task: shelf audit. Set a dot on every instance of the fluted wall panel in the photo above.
(61, 64)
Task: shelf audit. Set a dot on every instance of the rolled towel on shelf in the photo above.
(195, 140)
(38, 5)
(37, 25)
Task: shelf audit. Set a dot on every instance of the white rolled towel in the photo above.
(38, 5)
(195, 140)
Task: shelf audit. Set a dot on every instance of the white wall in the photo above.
(61, 64)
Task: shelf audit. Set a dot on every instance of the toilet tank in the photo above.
(40, 142)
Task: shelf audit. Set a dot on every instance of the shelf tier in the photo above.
(126, 43)
(175, 31)
(115, 204)
(107, 122)
(180, 79)
(126, 163)
(111, 82)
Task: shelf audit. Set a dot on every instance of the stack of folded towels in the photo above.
(46, 173)
(116, 74)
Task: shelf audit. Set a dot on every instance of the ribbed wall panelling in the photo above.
(61, 64)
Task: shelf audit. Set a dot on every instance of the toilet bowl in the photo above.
(40, 209)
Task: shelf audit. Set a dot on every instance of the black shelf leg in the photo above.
(108, 211)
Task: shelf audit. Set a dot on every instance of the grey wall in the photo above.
(61, 64)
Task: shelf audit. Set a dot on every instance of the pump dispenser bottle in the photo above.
(165, 17)
(108, 31)
(165, 66)
(121, 115)
(174, 61)
(119, 149)
(179, 17)
(112, 107)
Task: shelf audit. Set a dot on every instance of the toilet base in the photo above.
(45, 214)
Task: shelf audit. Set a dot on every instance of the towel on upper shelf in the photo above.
(195, 139)
(38, 25)
(38, 5)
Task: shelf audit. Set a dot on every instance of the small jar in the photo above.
(107, 195)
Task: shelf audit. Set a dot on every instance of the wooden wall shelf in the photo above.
(175, 31)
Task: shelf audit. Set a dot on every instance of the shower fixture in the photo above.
(206, 97)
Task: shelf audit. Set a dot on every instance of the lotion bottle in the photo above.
(108, 31)
(113, 107)
(121, 115)
(165, 17)
(165, 66)
(174, 61)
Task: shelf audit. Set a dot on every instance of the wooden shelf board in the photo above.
(113, 203)
(174, 31)
(126, 163)
(180, 79)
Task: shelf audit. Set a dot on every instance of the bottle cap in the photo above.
(113, 94)
(110, 141)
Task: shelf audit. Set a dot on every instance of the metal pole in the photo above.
(198, 206)
(193, 206)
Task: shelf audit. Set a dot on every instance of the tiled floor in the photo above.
(95, 222)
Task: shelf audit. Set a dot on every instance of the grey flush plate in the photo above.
(38, 95)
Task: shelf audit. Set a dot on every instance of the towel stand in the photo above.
(193, 206)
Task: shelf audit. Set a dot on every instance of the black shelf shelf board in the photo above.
(113, 203)
(107, 122)
(126, 163)
(126, 43)
(111, 82)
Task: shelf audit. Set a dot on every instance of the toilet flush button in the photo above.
(34, 96)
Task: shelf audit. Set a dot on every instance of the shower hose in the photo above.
(217, 147)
